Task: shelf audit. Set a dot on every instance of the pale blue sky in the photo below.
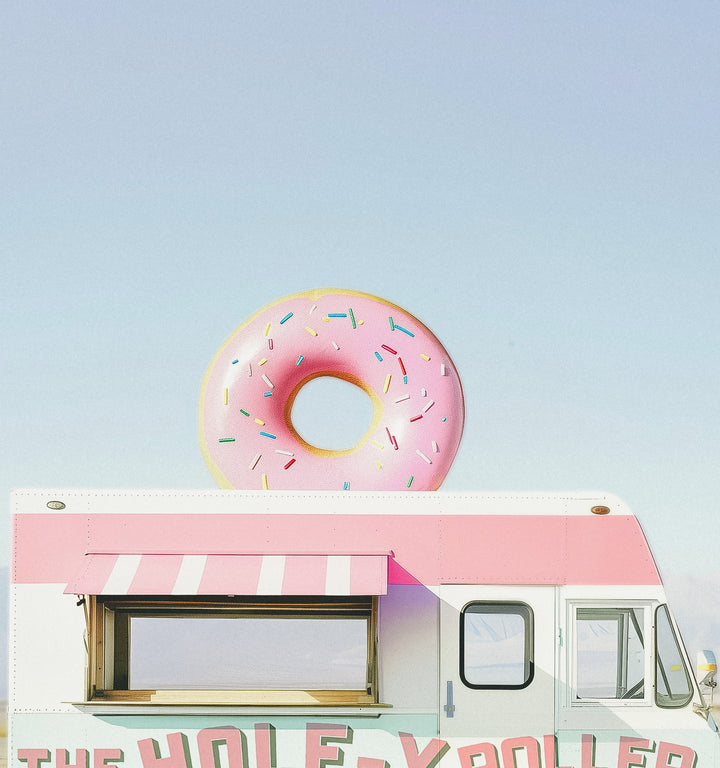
(538, 182)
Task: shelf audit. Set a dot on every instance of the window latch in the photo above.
(449, 706)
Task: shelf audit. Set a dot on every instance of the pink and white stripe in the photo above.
(172, 574)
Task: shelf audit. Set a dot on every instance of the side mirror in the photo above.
(706, 669)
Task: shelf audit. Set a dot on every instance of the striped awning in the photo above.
(174, 574)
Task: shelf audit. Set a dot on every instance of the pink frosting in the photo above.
(246, 433)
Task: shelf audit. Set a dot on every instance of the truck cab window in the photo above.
(672, 681)
(496, 645)
(609, 653)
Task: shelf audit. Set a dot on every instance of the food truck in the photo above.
(320, 611)
(309, 629)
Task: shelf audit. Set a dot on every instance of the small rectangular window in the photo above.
(609, 653)
(496, 645)
(245, 650)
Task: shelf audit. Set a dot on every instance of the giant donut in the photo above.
(246, 432)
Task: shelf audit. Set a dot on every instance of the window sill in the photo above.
(609, 703)
(251, 698)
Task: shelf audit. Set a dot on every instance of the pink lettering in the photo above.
(62, 758)
(627, 758)
(372, 762)
(668, 753)
(179, 752)
(33, 757)
(550, 749)
(211, 739)
(106, 758)
(317, 738)
(485, 750)
(265, 745)
(511, 746)
(428, 758)
(588, 751)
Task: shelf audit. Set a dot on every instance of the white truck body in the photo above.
(364, 630)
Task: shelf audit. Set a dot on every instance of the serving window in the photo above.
(236, 650)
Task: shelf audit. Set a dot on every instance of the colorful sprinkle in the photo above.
(444, 418)
(402, 366)
(352, 318)
(263, 361)
(404, 379)
(378, 465)
(425, 357)
(337, 314)
(386, 386)
(409, 483)
(249, 370)
(416, 418)
(312, 309)
(389, 349)
(268, 382)
(244, 413)
(285, 319)
(404, 330)
(300, 359)
(267, 327)
(423, 456)
(289, 464)
(379, 357)
(260, 422)
(392, 324)
(378, 445)
(335, 345)
(254, 462)
(402, 398)
(267, 434)
(423, 392)
(310, 330)
(225, 396)
(434, 447)
(235, 361)
(442, 369)
(267, 394)
(428, 406)
(394, 440)
(284, 453)
(346, 486)
(264, 482)
(270, 343)
(226, 440)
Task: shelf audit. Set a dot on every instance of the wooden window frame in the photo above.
(108, 647)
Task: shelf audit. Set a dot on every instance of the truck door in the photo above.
(497, 662)
(625, 679)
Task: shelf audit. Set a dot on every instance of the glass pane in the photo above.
(247, 653)
(495, 645)
(673, 686)
(610, 655)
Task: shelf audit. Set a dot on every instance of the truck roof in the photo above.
(67, 535)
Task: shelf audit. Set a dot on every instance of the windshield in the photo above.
(673, 686)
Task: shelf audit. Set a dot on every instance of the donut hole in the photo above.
(331, 413)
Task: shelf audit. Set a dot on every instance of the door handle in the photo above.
(449, 706)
